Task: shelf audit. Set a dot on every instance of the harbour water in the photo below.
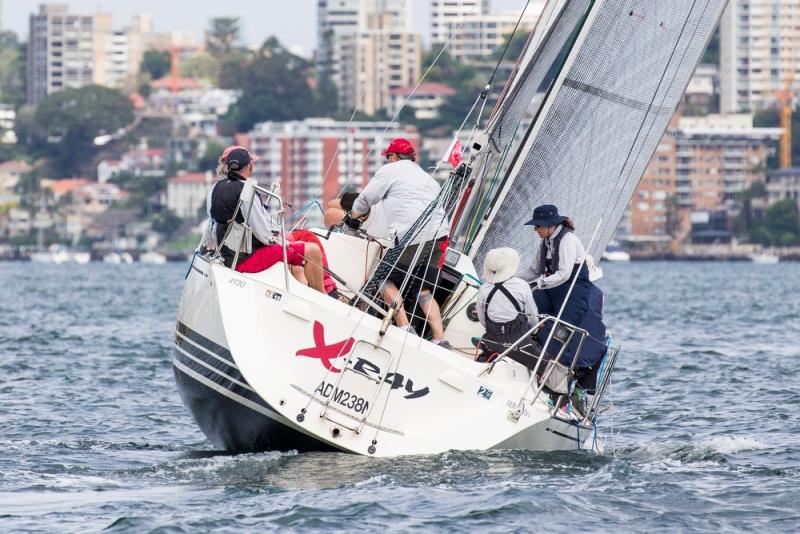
(704, 434)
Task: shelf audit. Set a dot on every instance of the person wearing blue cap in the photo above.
(560, 259)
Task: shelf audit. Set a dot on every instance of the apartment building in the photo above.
(373, 62)
(443, 12)
(759, 52)
(476, 37)
(316, 158)
(700, 166)
(68, 50)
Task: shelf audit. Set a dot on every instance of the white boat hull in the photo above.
(433, 399)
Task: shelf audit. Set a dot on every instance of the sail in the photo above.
(600, 123)
(535, 70)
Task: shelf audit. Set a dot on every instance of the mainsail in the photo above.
(619, 69)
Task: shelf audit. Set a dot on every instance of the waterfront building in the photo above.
(782, 184)
(186, 193)
(317, 157)
(759, 51)
(476, 37)
(652, 209)
(443, 12)
(701, 165)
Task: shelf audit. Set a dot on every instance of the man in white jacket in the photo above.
(405, 191)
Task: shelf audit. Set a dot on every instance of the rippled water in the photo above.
(704, 435)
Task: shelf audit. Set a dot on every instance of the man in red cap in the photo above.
(406, 191)
(264, 249)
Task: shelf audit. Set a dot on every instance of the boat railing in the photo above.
(564, 333)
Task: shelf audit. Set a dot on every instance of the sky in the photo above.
(292, 21)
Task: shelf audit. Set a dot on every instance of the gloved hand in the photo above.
(539, 283)
(347, 199)
(350, 222)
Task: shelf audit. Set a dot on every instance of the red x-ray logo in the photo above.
(324, 352)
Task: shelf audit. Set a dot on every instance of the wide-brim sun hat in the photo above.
(546, 215)
(500, 264)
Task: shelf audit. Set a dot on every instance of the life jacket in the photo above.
(500, 336)
(548, 266)
(509, 331)
(224, 199)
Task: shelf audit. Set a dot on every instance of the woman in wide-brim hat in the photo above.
(560, 259)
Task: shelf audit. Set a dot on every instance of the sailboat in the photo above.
(265, 362)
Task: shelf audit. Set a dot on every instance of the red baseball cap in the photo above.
(399, 146)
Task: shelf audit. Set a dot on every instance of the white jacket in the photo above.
(406, 190)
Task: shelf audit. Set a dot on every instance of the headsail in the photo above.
(600, 123)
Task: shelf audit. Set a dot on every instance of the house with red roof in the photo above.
(425, 101)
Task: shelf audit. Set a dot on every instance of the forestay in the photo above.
(601, 122)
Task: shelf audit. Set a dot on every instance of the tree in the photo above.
(274, 85)
(455, 74)
(66, 124)
(209, 160)
(222, 36)
(202, 66)
(780, 225)
(12, 70)
(515, 46)
(156, 64)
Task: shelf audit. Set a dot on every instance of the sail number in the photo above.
(342, 397)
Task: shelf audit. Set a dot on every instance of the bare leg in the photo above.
(313, 267)
(297, 272)
(432, 313)
(390, 293)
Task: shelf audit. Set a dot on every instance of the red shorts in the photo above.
(267, 256)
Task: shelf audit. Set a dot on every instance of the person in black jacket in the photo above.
(264, 249)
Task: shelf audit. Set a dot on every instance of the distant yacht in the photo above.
(117, 258)
(153, 258)
(59, 254)
(764, 258)
(614, 252)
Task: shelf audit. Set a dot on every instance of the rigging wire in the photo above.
(405, 102)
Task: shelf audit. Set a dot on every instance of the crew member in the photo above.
(506, 309)
(263, 249)
(406, 191)
(560, 260)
